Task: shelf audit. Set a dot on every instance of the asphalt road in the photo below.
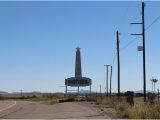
(68, 110)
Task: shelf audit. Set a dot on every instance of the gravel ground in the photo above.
(67, 110)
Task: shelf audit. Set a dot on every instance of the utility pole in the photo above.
(100, 93)
(111, 82)
(78, 92)
(90, 92)
(152, 84)
(118, 63)
(154, 81)
(158, 96)
(144, 60)
(66, 90)
(143, 41)
(21, 94)
(107, 79)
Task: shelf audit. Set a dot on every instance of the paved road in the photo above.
(68, 110)
(4, 105)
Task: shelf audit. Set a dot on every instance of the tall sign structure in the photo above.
(78, 80)
(78, 72)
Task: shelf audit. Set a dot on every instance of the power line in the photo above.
(153, 22)
(128, 32)
(125, 35)
(113, 60)
(132, 41)
(129, 43)
(114, 57)
(129, 27)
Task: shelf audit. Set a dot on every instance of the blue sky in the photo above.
(38, 41)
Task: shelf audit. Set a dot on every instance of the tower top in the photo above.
(78, 48)
(78, 73)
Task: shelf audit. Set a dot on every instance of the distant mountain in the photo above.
(141, 91)
(84, 91)
(3, 92)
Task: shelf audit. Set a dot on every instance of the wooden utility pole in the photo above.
(66, 90)
(90, 92)
(158, 96)
(100, 92)
(111, 82)
(21, 93)
(107, 79)
(144, 54)
(78, 92)
(118, 63)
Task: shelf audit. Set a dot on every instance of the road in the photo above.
(68, 110)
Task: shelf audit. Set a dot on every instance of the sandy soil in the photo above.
(68, 110)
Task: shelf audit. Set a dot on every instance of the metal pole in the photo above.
(90, 92)
(21, 93)
(118, 62)
(107, 79)
(144, 60)
(66, 90)
(154, 89)
(158, 95)
(111, 82)
(100, 93)
(78, 93)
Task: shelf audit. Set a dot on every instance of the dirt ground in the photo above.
(67, 110)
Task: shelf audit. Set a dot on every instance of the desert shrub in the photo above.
(138, 111)
(142, 112)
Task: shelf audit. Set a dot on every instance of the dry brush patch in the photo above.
(138, 111)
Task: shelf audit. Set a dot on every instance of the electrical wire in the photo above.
(152, 23)
(114, 56)
(129, 43)
(132, 41)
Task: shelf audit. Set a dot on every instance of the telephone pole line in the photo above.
(107, 79)
(111, 82)
(118, 63)
(143, 42)
(100, 92)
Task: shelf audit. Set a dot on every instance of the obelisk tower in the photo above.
(78, 80)
(78, 72)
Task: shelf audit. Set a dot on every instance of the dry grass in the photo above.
(144, 112)
(138, 111)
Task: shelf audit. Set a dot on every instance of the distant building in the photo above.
(78, 80)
